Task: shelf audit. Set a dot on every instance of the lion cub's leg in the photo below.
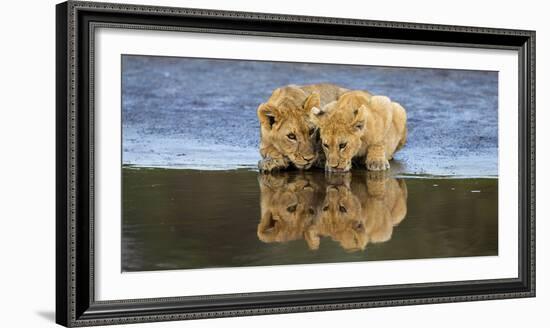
(397, 134)
(376, 158)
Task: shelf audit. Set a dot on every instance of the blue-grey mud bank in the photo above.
(201, 113)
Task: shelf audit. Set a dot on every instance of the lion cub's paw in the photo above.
(269, 164)
(377, 164)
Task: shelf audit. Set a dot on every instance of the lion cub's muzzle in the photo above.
(304, 162)
(337, 168)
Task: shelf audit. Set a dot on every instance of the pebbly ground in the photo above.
(201, 113)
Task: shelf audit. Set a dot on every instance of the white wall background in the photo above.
(27, 165)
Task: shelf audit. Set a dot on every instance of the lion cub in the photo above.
(286, 134)
(360, 126)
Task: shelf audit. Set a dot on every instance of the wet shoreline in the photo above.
(395, 171)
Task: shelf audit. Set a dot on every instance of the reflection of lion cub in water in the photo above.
(359, 125)
(341, 217)
(353, 213)
(356, 213)
(288, 205)
(287, 135)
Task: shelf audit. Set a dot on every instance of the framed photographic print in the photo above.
(215, 163)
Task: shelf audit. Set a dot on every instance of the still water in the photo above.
(188, 219)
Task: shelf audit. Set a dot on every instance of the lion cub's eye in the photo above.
(325, 145)
(343, 145)
(291, 136)
(342, 209)
(325, 208)
(291, 209)
(311, 131)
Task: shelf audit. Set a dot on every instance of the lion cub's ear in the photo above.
(317, 114)
(313, 101)
(359, 118)
(267, 116)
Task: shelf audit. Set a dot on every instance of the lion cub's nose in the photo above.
(309, 158)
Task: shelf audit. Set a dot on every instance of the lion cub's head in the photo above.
(342, 125)
(288, 206)
(285, 124)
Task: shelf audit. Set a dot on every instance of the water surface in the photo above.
(189, 219)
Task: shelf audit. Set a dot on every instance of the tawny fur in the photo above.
(359, 125)
(287, 136)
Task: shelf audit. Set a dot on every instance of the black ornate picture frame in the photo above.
(76, 24)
